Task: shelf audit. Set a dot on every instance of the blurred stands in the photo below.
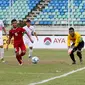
(55, 12)
(45, 12)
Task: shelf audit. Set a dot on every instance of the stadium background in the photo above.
(49, 17)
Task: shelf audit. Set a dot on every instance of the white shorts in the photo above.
(28, 42)
(1, 41)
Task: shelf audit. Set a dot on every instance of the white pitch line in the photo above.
(56, 77)
(2, 72)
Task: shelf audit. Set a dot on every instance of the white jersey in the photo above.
(30, 30)
(1, 27)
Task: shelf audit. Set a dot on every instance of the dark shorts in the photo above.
(80, 46)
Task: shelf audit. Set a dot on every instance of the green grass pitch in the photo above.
(52, 63)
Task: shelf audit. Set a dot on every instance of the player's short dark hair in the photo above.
(13, 20)
(28, 20)
(71, 28)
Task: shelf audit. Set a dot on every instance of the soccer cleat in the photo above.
(2, 60)
(74, 63)
(20, 64)
(30, 56)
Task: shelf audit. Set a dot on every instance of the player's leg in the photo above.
(72, 55)
(30, 49)
(30, 52)
(30, 46)
(23, 50)
(18, 58)
(2, 54)
(24, 46)
(1, 50)
(79, 53)
(17, 55)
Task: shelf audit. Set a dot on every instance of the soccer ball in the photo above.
(35, 60)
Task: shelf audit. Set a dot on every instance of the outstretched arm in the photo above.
(5, 31)
(29, 37)
(9, 39)
(35, 35)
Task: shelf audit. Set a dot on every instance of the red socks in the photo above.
(19, 58)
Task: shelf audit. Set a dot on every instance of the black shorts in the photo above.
(80, 46)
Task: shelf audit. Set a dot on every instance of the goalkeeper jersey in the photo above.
(76, 39)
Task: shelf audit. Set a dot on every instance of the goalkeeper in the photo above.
(77, 44)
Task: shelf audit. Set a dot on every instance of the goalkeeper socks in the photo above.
(79, 55)
(72, 57)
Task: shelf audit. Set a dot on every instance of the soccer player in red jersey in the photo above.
(17, 33)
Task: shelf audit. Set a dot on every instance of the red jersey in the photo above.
(17, 34)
